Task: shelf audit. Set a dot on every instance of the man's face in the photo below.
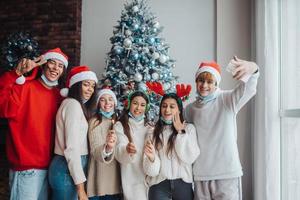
(206, 84)
(54, 69)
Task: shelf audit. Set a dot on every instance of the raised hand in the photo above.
(149, 150)
(111, 140)
(26, 65)
(131, 149)
(179, 126)
(242, 68)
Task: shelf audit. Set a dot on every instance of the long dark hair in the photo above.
(160, 125)
(88, 108)
(124, 119)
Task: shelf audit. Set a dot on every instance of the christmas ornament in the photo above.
(138, 77)
(142, 86)
(155, 55)
(18, 45)
(156, 24)
(155, 76)
(128, 33)
(135, 26)
(118, 50)
(135, 9)
(162, 59)
(127, 43)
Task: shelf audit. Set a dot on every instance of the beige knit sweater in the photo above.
(103, 173)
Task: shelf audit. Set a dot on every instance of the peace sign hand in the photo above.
(26, 65)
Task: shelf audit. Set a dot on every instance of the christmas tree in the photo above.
(138, 55)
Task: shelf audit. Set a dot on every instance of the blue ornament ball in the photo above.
(135, 26)
(152, 62)
(151, 40)
(135, 55)
(143, 29)
(142, 86)
(118, 50)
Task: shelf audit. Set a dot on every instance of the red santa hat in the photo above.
(56, 54)
(77, 74)
(211, 67)
(51, 54)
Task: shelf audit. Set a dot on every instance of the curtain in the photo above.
(266, 127)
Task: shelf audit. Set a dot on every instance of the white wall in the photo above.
(196, 30)
(188, 28)
(234, 38)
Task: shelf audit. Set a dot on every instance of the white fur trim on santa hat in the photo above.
(107, 91)
(85, 75)
(21, 80)
(58, 56)
(211, 70)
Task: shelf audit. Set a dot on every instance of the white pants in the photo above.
(224, 189)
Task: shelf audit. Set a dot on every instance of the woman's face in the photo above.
(87, 89)
(169, 108)
(106, 103)
(138, 106)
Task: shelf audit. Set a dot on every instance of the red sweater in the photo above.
(30, 109)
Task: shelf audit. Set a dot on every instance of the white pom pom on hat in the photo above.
(22, 79)
(77, 74)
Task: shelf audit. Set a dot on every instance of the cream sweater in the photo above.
(216, 127)
(103, 172)
(179, 163)
(71, 137)
(133, 177)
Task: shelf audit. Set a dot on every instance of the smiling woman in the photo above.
(69, 165)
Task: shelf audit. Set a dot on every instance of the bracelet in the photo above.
(181, 131)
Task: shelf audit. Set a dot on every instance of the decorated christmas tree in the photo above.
(17, 45)
(138, 55)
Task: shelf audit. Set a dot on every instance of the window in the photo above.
(290, 99)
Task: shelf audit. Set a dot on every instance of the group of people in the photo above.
(73, 141)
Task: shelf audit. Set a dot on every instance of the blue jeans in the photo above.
(171, 189)
(107, 197)
(29, 184)
(60, 180)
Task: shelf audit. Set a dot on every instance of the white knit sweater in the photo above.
(179, 163)
(71, 137)
(132, 175)
(215, 123)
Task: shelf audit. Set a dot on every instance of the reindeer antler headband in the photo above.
(182, 91)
